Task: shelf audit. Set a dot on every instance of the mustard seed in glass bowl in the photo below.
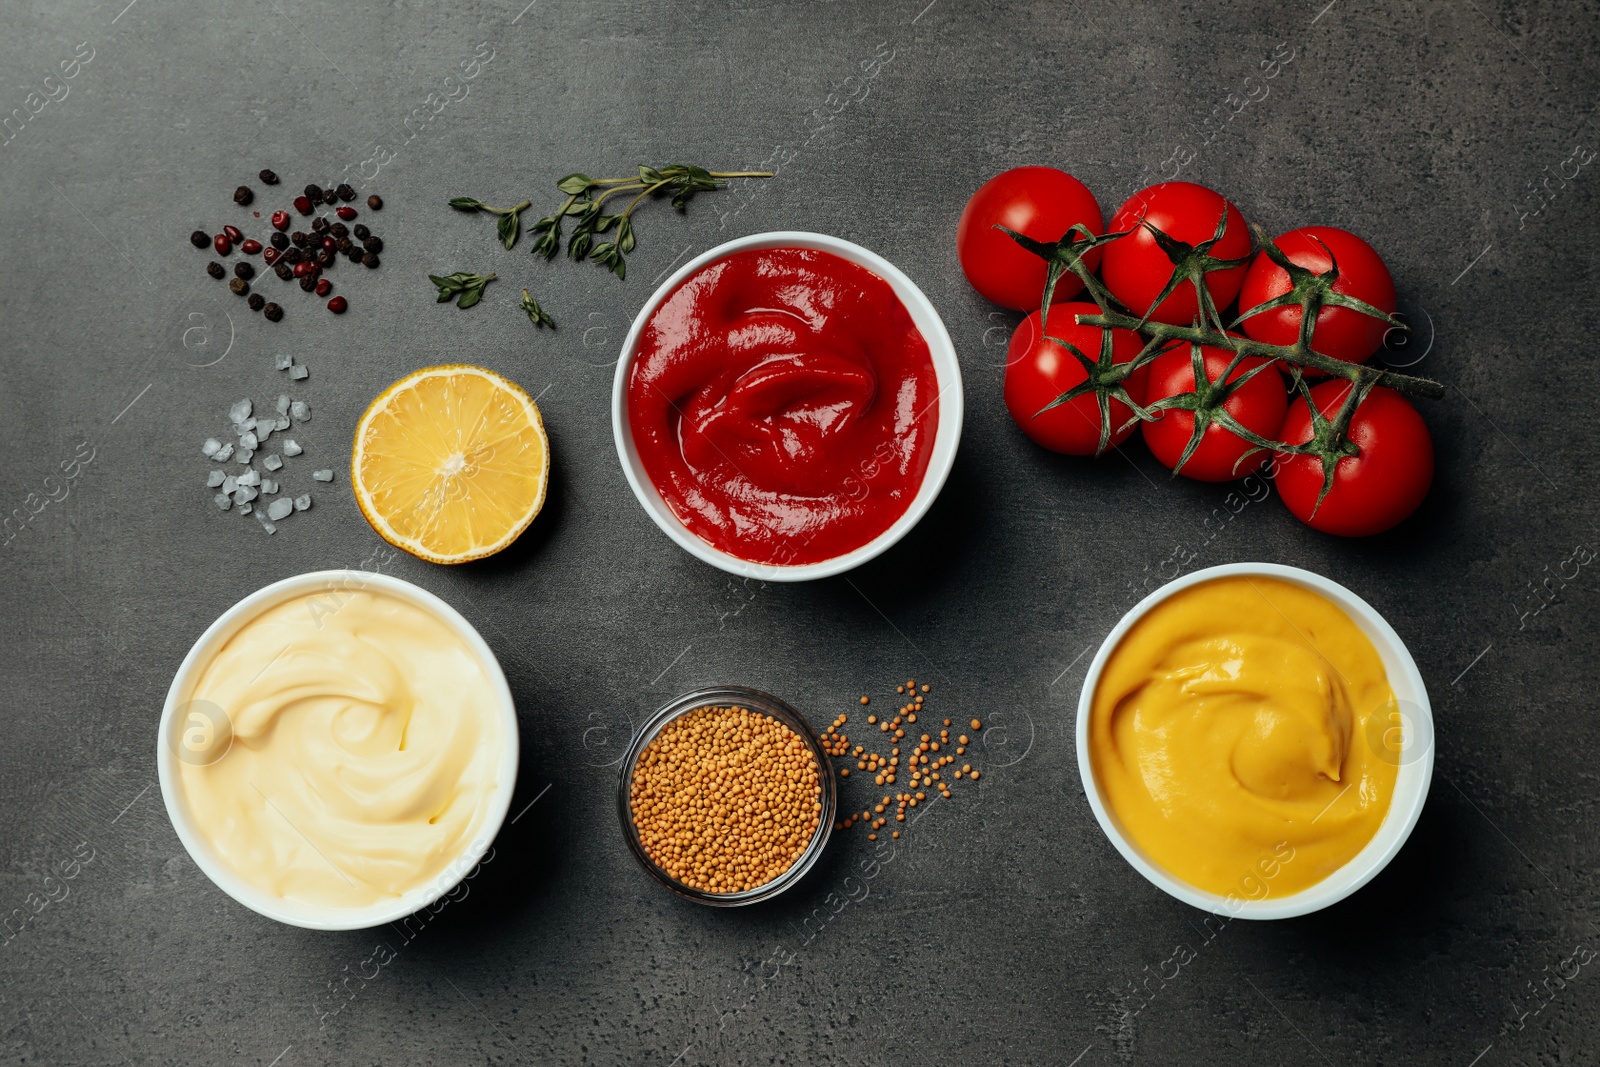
(726, 796)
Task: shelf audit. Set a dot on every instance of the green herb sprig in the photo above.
(509, 228)
(536, 314)
(467, 287)
(586, 198)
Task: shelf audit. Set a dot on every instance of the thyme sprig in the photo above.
(510, 225)
(585, 203)
(468, 287)
(1309, 290)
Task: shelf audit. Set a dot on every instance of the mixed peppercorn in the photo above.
(299, 255)
(924, 765)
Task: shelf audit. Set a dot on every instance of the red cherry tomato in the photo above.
(1039, 370)
(1135, 268)
(1038, 202)
(1258, 405)
(1371, 492)
(1342, 333)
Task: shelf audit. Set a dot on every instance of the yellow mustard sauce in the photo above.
(1230, 735)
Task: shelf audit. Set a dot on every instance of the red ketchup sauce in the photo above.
(784, 405)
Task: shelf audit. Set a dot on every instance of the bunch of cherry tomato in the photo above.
(1371, 490)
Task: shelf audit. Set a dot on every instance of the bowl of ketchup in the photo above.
(787, 406)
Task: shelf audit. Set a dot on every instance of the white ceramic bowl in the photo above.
(947, 375)
(1414, 755)
(313, 917)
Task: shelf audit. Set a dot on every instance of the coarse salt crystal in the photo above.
(223, 501)
(248, 439)
(245, 454)
(291, 447)
(283, 362)
(282, 423)
(298, 372)
(251, 477)
(263, 431)
(215, 478)
(322, 475)
(283, 403)
(211, 447)
(221, 455)
(279, 509)
(265, 525)
(229, 484)
(268, 487)
(272, 462)
(302, 502)
(300, 411)
(244, 509)
(240, 411)
(247, 424)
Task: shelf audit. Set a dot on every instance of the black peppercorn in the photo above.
(313, 194)
(319, 224)
(294, 255)
(308, 283)
(373, 244)
(199, 239)
(268, 178)
(339, 229)
(243, 195)
(216, 270)
(280, 241)
(361, 232)
(256, 301)
(273, 312)
(239, 286)
(325, 258)
(370, 260)
(345, 192)
(375, 202)
(244, 270)
(330, 195)
(344, 244)
(283, 270)
(299, 237)
(355, 253)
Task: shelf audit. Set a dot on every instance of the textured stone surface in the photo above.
(1005, 929)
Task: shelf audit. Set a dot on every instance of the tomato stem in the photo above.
(1310, 291)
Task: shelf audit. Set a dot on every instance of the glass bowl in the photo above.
(756, 701)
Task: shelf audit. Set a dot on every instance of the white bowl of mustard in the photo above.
(1255, 740)
(338, 750)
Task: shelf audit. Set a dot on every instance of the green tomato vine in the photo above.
(1309, 290)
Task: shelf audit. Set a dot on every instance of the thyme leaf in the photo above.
(536, 314)
(466, 289)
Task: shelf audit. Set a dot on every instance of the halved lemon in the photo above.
(451, 463)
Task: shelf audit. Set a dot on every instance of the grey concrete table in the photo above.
(1005, 929)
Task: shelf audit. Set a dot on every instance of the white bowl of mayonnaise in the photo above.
(338, 750)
